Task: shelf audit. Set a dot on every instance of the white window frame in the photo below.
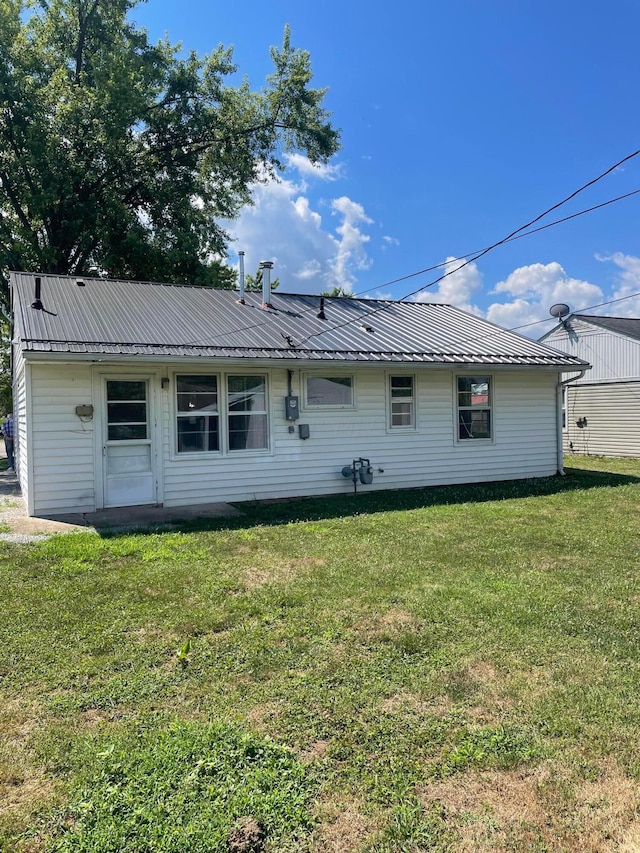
(178, 415)
(490, 407)
(228, 414)
(222, 380)
(328, 374)
(391, 375)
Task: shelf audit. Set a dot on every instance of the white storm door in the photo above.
(129, 476)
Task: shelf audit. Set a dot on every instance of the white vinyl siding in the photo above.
(20, 420)
(524, 412)
(606, 400)
(612, 414)
(524, 442)
(613, 357)
(62, 445)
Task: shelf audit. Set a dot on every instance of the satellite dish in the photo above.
(559, 310)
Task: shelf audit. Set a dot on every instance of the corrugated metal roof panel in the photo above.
(107, 316)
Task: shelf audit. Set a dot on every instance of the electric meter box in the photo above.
(291, 408)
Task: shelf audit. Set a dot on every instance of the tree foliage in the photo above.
(120, 157)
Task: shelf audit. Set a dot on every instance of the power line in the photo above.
(546, 319)
(510, 240)
(487, 249)
(515, 235)
(445, 263)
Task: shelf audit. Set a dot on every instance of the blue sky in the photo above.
(461, 120)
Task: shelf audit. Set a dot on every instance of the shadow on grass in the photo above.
(288, 510)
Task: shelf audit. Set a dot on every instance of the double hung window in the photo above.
(402, 402)
(247, 412)
(474, 407)
(213, 415)
(198, 420)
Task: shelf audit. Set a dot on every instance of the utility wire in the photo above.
(500, 331)
(509, 240)
(442, 264)
(484, 251)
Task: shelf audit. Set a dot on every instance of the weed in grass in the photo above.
(184, 787)
(501, 747)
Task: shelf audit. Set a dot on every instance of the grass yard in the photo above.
(452, 669)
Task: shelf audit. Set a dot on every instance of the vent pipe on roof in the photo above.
(321, 315)
(241, 276)
(37, 304)
(266, 267)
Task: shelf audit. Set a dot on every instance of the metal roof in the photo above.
(113, 317)
(623, 325)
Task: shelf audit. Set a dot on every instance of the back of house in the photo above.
(129, 393)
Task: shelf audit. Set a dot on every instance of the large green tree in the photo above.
(123, 157)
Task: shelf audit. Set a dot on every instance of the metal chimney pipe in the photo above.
(266, 267)
(241, 276)
(37, 304)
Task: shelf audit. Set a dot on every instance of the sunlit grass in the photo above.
(406, 670)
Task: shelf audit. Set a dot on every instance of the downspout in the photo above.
(560, 449)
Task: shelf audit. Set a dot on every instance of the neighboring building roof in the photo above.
(110, 317)
(622, 325)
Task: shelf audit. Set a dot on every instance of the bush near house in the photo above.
(440, 669)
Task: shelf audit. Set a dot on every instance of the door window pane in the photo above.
(126, 390)
(126, 410)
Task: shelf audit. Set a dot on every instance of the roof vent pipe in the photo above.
(266, 267)
(241, 276)
(37, 303)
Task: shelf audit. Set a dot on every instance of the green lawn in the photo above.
(452, 669)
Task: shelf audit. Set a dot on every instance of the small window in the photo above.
(329, 390)
(401, 392)
(247, 412)
(474, 407)
(198, 420)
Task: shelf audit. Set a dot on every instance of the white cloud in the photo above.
(390, 241)
(462, 281)
(627, 284)
(322, 171)
(350, 248)
(285, 225)
(309, 270)
(535, 288)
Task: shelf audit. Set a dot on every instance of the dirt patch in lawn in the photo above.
(280, 571)
(519, 810)
(343, 828)
(405, 701)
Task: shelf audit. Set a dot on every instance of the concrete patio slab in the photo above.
(17, 526)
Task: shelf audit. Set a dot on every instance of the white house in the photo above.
(602, 407)
(132, 393)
